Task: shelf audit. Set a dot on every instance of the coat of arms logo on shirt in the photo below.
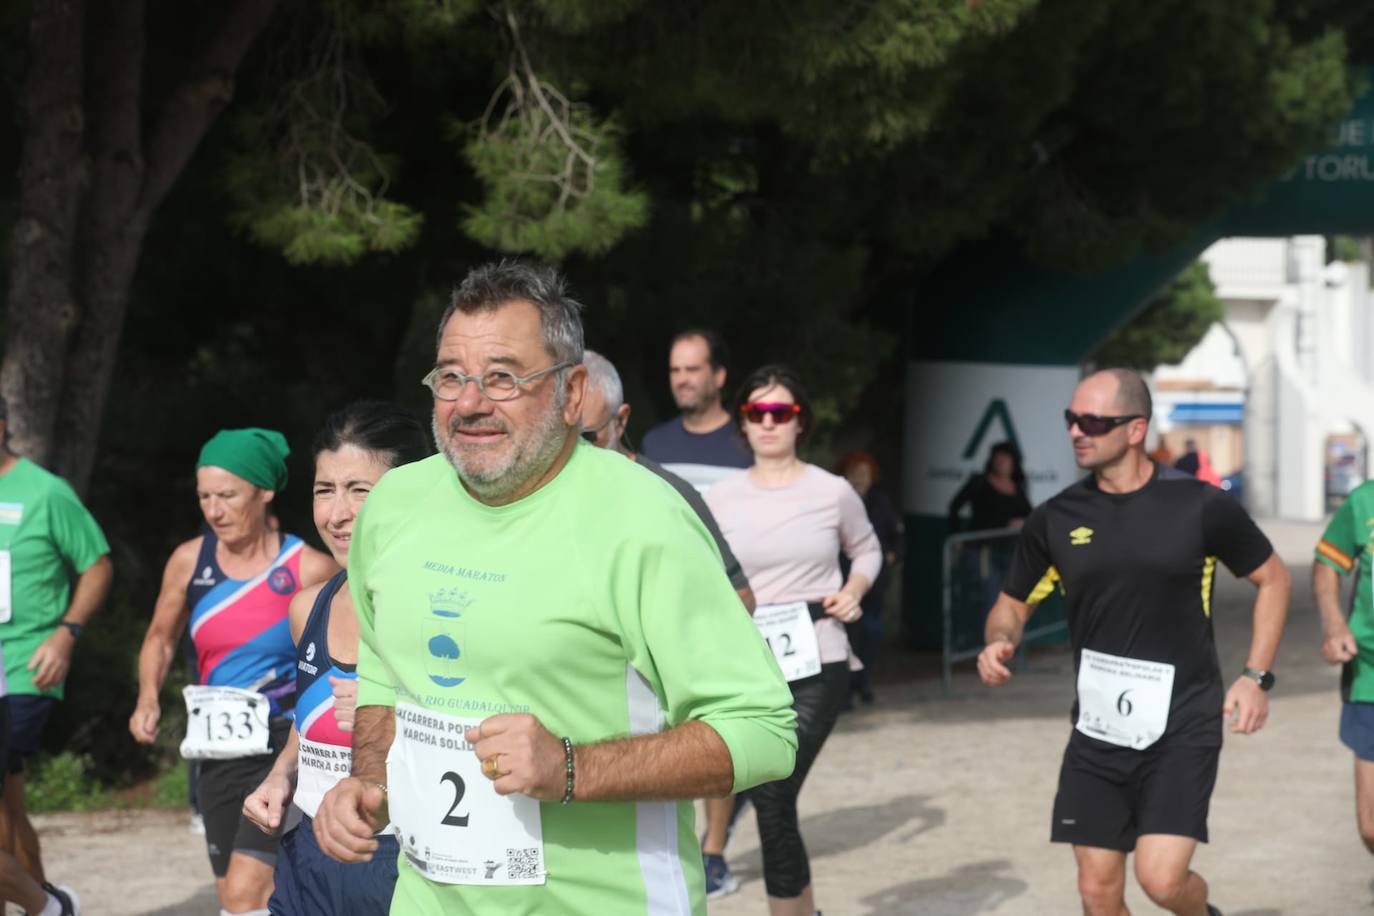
(444, 636)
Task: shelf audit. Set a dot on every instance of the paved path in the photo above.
(940, 807)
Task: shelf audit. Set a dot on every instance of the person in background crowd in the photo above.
(861, 470)
(997, 495)
(16, 884)
(699, 445)
(49, 539)
(788, 521)
(998, 499)
(1205, 471)
(1162, 454)
(1189, 461)
(604, 417)
(234, 584)
(356, 446)
(1348, 638)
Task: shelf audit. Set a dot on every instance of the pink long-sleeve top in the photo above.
(789, 539)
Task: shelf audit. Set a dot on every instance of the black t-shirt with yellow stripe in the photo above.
(1136, 572)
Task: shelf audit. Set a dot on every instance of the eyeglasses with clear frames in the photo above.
(447, 383)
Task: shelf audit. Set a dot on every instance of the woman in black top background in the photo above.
(997, 495)
(998, 499)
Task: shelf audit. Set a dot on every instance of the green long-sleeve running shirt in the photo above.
(598, 604)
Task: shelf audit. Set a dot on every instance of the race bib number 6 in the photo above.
(224, 723)
(789, 632)
(452, 825)
(1123, 701)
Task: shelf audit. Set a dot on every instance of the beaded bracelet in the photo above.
(568, 766)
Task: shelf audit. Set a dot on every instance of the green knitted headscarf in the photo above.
(256, 455)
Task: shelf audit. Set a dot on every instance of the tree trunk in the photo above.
(70, 289)
(42, 308)
(112, 231)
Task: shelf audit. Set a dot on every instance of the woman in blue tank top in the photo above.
(356, 446)
(231, 587)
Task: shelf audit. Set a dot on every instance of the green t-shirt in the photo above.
(598, 604)
(50, 536)
(1345, 547)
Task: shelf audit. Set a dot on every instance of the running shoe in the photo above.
(719, 880)
(1213, 911)
(197, 825)
(66, 897)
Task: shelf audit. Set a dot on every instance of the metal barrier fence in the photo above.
(974, 565)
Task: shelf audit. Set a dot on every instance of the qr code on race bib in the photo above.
(522, 863)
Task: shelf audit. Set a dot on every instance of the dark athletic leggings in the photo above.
(817, 700)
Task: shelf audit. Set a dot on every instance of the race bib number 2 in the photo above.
(224, 723)
(1123, 701)
(789, 632)
(452, 825)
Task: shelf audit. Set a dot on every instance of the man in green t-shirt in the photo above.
(552, 662)
(47, 539)
(1348, 639)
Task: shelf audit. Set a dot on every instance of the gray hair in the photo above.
(601, 373)
(492, 285)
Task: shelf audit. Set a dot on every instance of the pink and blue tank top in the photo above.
(240, 627)
(326, 752)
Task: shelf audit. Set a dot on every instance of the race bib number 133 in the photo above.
(224, 723)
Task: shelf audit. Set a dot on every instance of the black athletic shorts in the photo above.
(1109, 796)
(224, 784)
(28, 713)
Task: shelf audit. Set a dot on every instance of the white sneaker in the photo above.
(66, 897)
(197, 825)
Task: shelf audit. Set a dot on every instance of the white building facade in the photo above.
(1291, 370)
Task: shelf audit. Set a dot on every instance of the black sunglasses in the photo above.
(1093, 425)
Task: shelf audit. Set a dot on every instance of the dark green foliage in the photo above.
(1168, 327)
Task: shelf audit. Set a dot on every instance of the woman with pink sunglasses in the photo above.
(788, 522)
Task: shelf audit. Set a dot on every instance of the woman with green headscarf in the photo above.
(233, 584)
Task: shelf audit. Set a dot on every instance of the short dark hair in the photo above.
(717, 350)
(387, 430)
(490, 286)
(1132, 394)
(768, 376)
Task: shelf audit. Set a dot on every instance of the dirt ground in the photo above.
(940, 806)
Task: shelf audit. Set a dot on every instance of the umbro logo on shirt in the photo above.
(1080, 536)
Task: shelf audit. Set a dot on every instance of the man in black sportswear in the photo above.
(1134, 548)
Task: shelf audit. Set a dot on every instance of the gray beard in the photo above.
(528, 460)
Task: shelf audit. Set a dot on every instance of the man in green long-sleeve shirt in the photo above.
(549, 637)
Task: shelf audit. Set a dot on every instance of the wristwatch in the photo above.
(1265, 679)
(72, 627)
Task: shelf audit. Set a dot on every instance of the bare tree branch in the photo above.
(540, 123)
